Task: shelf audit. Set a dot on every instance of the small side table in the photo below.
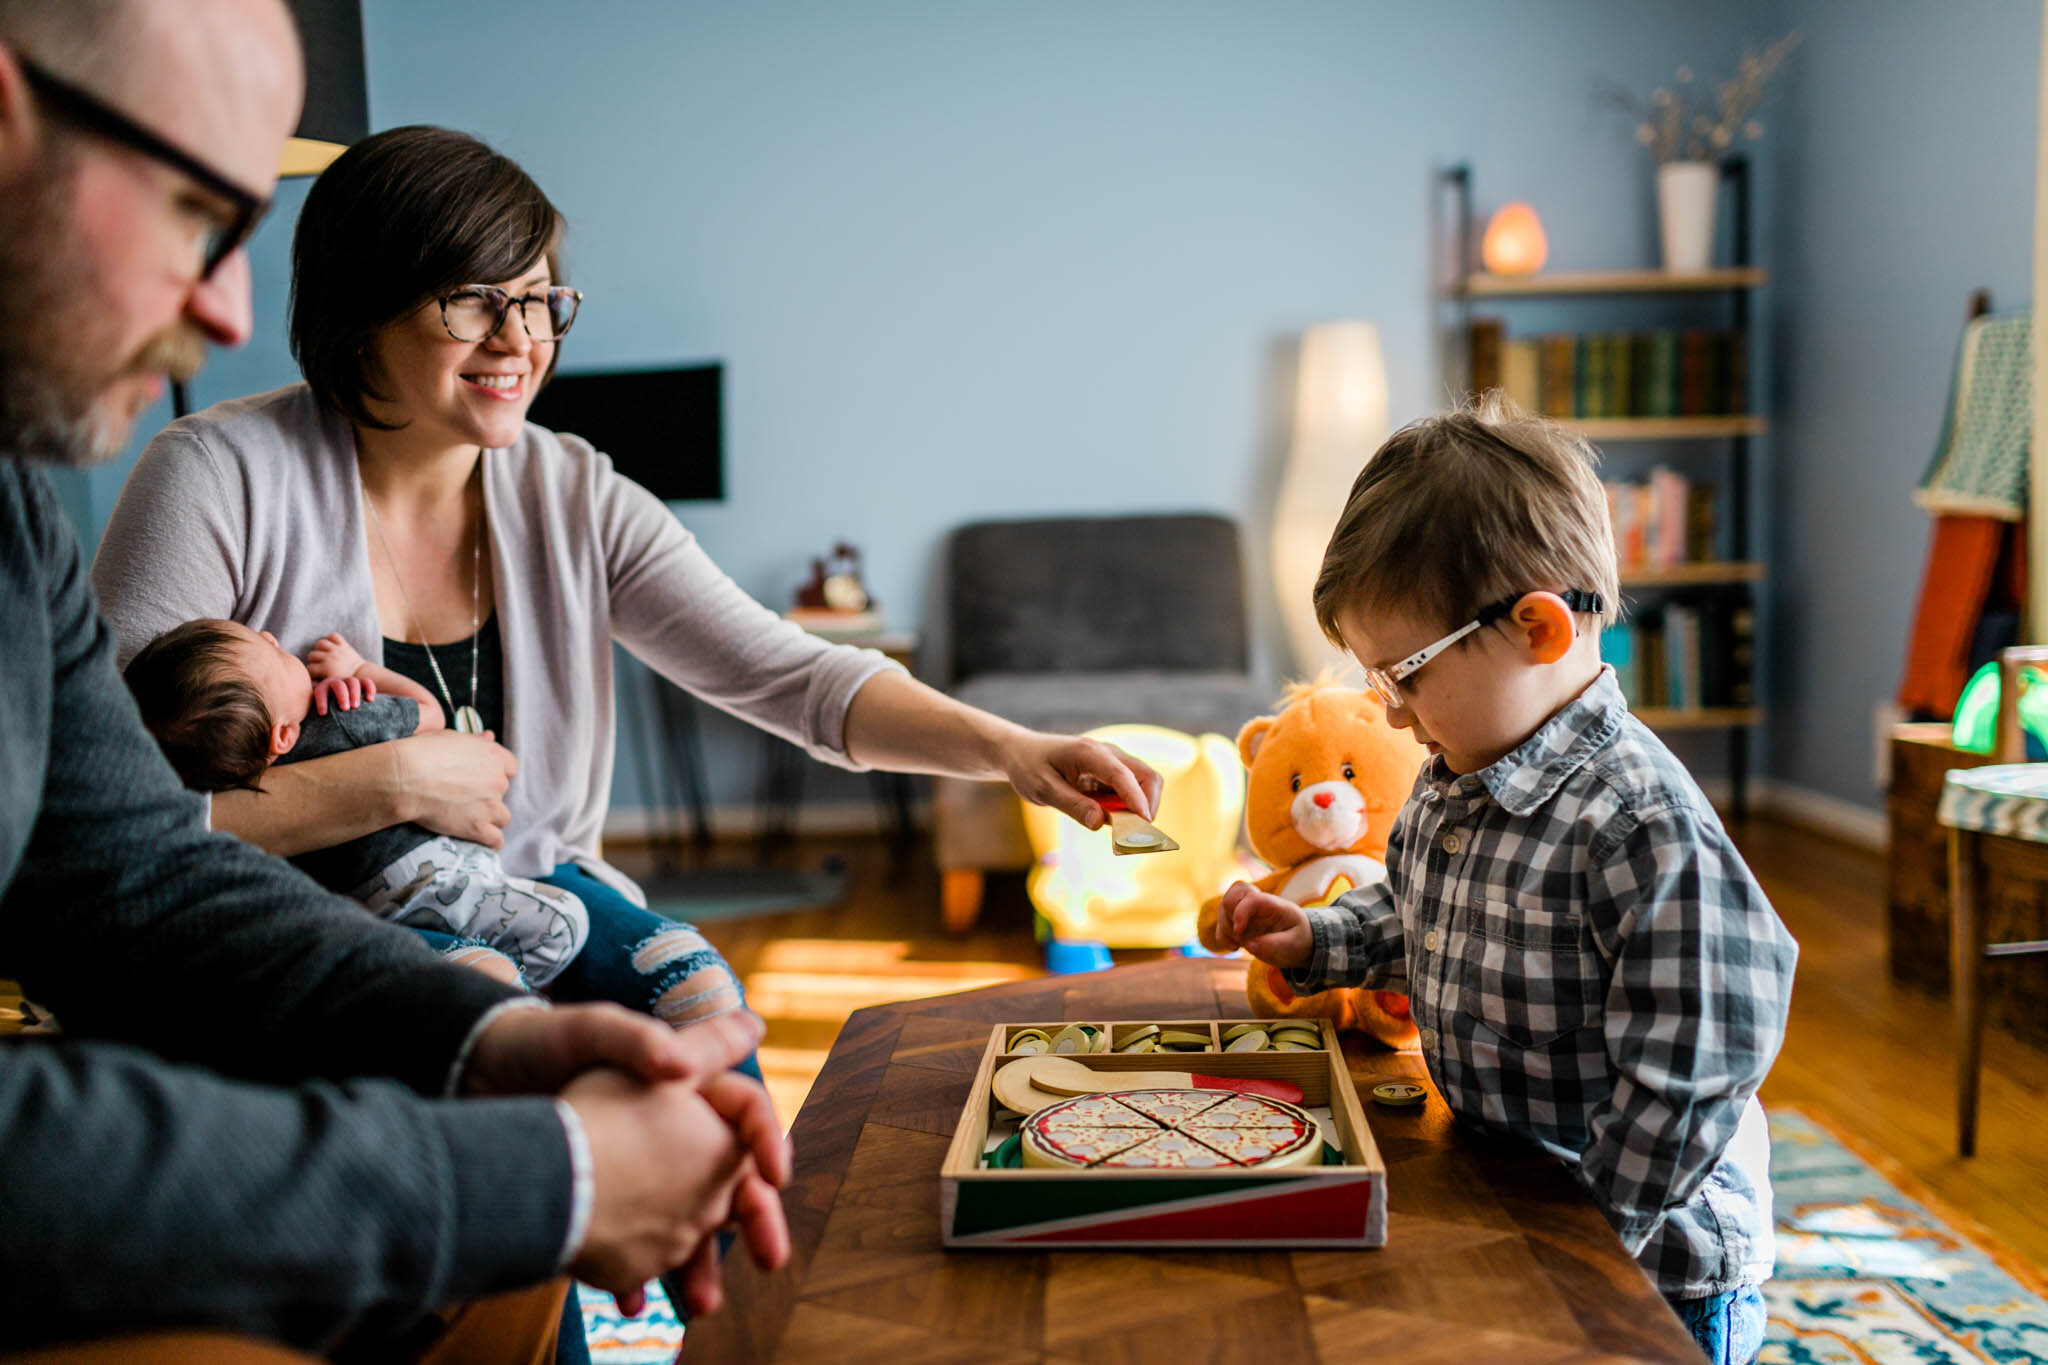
(2006, 803)
(783, 764)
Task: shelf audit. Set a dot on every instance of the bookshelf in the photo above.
(1717, 432)
(1699, 717)
(1717, 571)
(1670, 428)
(1479, 284)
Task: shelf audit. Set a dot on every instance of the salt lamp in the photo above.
(1514, 243)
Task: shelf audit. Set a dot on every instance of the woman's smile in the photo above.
(506, 388)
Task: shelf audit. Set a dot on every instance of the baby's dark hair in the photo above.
(209, 720)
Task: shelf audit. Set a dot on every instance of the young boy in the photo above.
(225, 702)
(1590, 962)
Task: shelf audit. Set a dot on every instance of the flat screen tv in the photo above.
(664, 428)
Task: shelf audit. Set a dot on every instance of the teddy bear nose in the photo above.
(1324, 799)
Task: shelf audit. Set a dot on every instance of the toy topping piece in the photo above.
(1030, 1040)
(1278, 1035)
(1141, 1040)
(1073, 1038)
(1400, 1094)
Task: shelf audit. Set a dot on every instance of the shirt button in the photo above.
(1430, 797)
(1452, 843)
(1428, 1040)
(1429, 940)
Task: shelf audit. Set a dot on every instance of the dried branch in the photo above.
(1664, 125)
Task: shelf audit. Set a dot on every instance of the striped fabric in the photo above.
(2009, 799)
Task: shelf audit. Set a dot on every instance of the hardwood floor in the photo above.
(1866, 1056)
(1876, 1059)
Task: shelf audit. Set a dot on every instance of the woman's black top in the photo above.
(489, 701)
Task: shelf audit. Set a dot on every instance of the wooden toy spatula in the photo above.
(1065, 1076)
(1130, 832)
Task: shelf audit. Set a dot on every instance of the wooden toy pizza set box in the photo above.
(1074, 1160)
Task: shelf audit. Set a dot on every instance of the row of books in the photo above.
(1661, 523)
(1687, 654)
(1698, 372)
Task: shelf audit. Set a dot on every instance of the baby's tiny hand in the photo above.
(333, 657)
(348, 693)
(1271, 929)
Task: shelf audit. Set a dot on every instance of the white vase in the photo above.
(1685, 214)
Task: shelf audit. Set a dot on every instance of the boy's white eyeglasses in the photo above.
(1386, 682)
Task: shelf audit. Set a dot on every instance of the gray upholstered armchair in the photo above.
(1079, 622)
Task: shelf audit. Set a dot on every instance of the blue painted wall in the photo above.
(966, 259)
(972, 260)
(1905, 179)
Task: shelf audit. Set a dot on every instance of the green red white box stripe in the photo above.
(1326, 1208)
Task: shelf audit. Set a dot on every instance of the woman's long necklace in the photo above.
(465, 717)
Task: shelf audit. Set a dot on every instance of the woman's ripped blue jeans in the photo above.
(643, 961)
(633, 957)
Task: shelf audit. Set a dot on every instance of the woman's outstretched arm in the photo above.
(899, 723)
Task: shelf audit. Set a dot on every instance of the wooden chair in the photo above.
(2005, 804)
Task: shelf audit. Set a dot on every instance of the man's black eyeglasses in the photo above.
(95, 115)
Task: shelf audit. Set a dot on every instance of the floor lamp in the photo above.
(1340, 419)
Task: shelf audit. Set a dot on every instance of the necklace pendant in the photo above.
(468, 721)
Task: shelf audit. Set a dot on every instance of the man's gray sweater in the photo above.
(234, 1129)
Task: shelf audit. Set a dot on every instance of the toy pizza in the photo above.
(1131, 1130)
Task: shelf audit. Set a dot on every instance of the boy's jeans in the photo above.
(1728, 1327)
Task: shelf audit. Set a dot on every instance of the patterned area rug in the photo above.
(1868, 1276)
(653, 1338)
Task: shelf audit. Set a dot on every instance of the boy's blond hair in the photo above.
(1458, 511)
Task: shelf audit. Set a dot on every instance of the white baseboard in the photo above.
(1863, 826)
(635, 824)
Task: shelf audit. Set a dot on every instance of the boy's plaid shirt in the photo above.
(1594, 970)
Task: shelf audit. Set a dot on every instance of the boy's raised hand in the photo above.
(1271, 929)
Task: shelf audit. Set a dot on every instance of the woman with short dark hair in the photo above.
(399, 497)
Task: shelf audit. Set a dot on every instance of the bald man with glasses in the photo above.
(273, 1124)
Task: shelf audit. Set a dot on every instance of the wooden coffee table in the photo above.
(1493, 1254)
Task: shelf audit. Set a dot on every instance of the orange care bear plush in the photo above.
(1328, 774)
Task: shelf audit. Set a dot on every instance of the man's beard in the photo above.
(53, 338)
